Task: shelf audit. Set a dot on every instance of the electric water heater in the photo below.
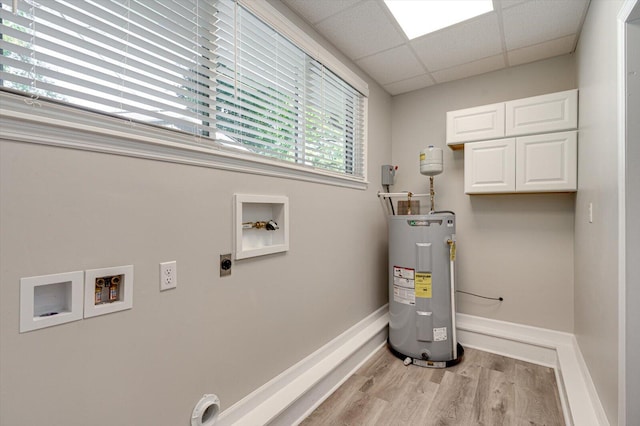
(421, 289)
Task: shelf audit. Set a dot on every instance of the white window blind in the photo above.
(147, 61)
(208, 68)
(281, 102)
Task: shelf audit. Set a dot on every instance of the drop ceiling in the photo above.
(515, 33)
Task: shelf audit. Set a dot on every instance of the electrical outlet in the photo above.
(168, 275)
(225, 265)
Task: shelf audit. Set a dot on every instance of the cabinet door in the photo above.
(489, 167)
(542, 114)
(547, 163)
(472, 124)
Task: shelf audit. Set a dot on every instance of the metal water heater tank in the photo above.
(421, 289)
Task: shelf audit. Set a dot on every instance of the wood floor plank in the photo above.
(537, 401)
(498, 363)
(453, 402)
(412, 399)
(435, 374)
(327, 412)
(532, 409)
(378, 363)
(470, 365)
(385, 383)
(363, 409)
(484, 389)
(494, 402)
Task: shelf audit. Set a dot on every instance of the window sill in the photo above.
(51, 124)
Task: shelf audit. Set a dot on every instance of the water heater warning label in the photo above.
(404, 295)
(404, 285)
(423, 285)
(403, 272)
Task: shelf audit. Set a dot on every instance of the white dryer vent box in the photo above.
(49, 300)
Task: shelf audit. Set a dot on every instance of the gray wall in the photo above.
(520, 246)
(596, 244)
(632, 313)
(65, 210)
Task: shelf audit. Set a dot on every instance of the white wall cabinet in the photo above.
(489, 166)
(538, 114)
(472, 124)
(546, 163)
(539, 163)
(542, 114)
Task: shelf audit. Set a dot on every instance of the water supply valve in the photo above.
(269, 225)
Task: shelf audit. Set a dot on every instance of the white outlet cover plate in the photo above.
(126, 293)
(168, 275)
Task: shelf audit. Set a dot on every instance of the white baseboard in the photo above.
(294, 394)
(550, 348)
(291, 396)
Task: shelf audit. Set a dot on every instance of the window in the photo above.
(279, 101)
(207, 69)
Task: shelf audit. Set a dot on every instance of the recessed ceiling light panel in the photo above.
(420, 17)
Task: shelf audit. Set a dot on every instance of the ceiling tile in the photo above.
(391, 65)
(464, 42)
(469, 69)
(314, 11)
(362, 30)
(540, 51)
(538, 21)
(409, 85)
(518, 32)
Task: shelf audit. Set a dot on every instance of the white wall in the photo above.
(596, 244)
(66, 210)
(520, 246)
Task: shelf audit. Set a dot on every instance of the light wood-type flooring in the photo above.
(483, 389)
